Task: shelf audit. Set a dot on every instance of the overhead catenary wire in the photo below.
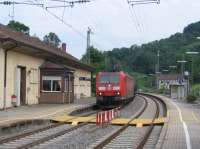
(135, 24)
(132, 3)
(140, 2)
(66, 3)
(63, 13)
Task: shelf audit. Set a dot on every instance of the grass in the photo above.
(196, 89)
(143, 81)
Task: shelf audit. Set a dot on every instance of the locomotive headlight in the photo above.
(118, 93)
(102, 88)
(100, 93)
(116, 88)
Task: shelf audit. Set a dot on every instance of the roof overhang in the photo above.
(8, 43)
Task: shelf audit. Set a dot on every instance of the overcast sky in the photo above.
(113, 23)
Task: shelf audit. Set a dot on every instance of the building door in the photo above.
(23, 86)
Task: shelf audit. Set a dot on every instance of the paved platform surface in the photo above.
(40, 111)
(183, 128)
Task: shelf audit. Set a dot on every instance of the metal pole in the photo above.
(89, 31)
(158, 61)
(192, 73)
(69, 88)
(5, 79)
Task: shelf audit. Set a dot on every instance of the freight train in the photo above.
(113, 88)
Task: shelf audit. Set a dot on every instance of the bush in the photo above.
(191, 98)
(161, 90)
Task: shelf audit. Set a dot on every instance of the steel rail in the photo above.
(164, 106)
(149, 130)
(47, 138)
(37, 142)
(22, 135)
(60, 133)
(117, 132)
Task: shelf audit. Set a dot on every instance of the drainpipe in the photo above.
(5, 75)
(5, 78)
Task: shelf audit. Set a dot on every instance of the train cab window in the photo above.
(109, 78)
(114, 79)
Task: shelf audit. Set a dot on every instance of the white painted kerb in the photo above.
(187, 135)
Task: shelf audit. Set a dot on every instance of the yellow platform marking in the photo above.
(139, 125)
(74, 123)
(118, 121)
(195, 117)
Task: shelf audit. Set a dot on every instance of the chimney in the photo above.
(64, 46)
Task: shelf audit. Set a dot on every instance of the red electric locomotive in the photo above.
(114, 88)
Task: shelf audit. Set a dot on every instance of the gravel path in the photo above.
(132, 108)
(78, 139)
(150, 110)
(30, 138)
(127, 139)
(85, 136)
(154, 137)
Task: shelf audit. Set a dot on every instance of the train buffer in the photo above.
(75, 120)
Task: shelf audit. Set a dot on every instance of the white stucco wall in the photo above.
(32, 87)
(82, 88)
(1, 76)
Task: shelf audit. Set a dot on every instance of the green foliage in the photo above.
(142, 59)
(192, 29)
(161, 91)
(20, 27)
(52, 39)
(191, 98)
(97, 59)
(196, 90)
(143, 81)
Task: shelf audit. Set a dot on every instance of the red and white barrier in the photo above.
(107, 116)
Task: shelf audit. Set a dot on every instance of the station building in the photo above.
(32, 72)
(165, 80)
(175, 84)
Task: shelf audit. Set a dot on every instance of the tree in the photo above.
(52, 39)
(20, 27)
(97, 59)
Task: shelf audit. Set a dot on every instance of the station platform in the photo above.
(183, 127)
(41, 111)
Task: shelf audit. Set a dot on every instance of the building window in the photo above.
(51, 84)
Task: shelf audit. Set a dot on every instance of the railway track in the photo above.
(35, 137)
(131, 137)
(120, 136)
(39, 136)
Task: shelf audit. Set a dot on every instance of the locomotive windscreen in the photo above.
(109, 78)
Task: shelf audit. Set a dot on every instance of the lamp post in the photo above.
(182, 66)
(192, 69)
(165, 70)
(172, 68)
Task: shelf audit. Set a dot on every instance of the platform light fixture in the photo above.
(182, 65)
(192, 53)
(173, 67)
